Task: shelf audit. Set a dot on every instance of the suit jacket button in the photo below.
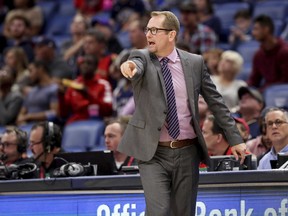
(159, 128)
(165, 112)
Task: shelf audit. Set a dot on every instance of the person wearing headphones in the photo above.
(13, 146)
(45, 142)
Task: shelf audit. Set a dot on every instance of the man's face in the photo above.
(33, 74)
(17, 28)
(88, 66)
(136, 35)
(36, 143)
(259, 32)
(44, 52)
(189, 19)
(113, 135)
(91, 46)
(249, 103)
(9, 147)
(158, 43)
(276, 126)
(210, 138)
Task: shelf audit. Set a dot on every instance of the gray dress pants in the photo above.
(170, 181)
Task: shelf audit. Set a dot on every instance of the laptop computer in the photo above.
(104, 160)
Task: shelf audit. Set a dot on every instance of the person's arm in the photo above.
(21, 116)
(9, 114)
(50, 114)
(73, 50)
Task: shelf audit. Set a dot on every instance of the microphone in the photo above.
(3, 157)
(36, 159)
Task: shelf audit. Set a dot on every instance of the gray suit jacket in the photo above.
(141, 137)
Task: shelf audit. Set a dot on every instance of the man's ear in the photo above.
(172, 35)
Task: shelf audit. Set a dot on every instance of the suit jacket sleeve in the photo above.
(216, 104)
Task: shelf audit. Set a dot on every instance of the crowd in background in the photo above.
(74, 74)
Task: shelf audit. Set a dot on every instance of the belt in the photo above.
(178, 143)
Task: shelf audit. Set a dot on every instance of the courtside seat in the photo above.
(82, 135)
(276, 95)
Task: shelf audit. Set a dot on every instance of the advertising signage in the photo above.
(266, 201)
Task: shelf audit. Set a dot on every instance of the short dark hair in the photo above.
(243, 13)
(21, 137)
(216, 129)
(21, 17)
(98, 35)
(265, 21)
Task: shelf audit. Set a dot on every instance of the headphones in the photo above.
(49, 138)
(21, 171)
(74, 169)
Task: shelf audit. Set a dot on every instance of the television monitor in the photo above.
(282, 158)
(228, 163)
(103, 159)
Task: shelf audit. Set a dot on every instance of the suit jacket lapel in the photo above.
(187, 65)
(157, 66)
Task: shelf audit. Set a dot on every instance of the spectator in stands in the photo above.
(136, 34)
(72, 48)
(45, 142)
(95, 43)
(212, 58)
(13, 146)
(243, 128)
(123, 91)
(226, 82)
(200, 37)
(88, 8)
(113, 134)
(16, 59)
(32, 13)
(121, 7)
(41, 102)
(10, 102)
(17, 33)
(241, 30)
(270, 65)
(276, 121)
(251, 103)
(207, 16)
(46, 51)
(215, 138)
(260, 145)
(103, 25)
(87, 90)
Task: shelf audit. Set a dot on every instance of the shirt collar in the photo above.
(172, 56)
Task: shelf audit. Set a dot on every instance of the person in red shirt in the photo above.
(86, 90)
(270, 65)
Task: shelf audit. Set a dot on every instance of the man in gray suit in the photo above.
(164, 133)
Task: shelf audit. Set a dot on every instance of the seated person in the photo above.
(243, 128)
(241, 31)
(113, 134)
(10, 102)
(251, 103)
(226, 81)
(13, 146)
(260, 145)
(45, 142)
(215, 138)
(276, 121)
(41, 102)
(89, 90)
